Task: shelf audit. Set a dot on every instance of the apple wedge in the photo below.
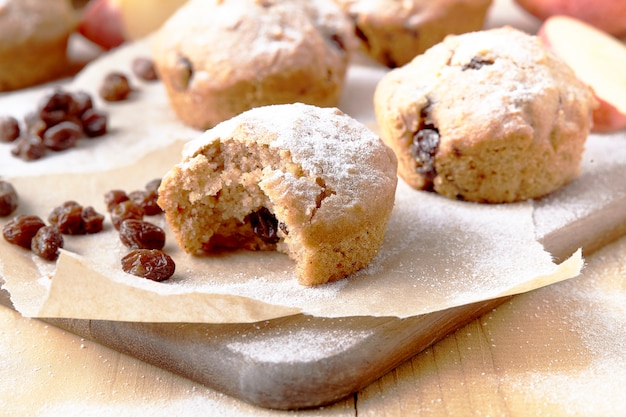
(607, 15)
(101, 23)
(598, 60)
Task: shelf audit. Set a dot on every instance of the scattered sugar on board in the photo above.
(597, 315)
(302, 345)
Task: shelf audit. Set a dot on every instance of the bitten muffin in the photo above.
(218, 58)
(311, 182)
(33, 41)
(489, 116)
(393, 32)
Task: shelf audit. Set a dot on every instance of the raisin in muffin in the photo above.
(393, 32)
(218, 58)
(33, 41)
(489, 116)
(307, 181)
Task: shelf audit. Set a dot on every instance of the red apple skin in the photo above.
(607, 15)
(101, 23)
(606, 117)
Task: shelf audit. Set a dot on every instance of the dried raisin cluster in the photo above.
(70, 218)
(145, 239)
(60, 119)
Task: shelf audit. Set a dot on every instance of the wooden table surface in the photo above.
(557, 351)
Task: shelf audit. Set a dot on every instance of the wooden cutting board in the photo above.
(302, 361)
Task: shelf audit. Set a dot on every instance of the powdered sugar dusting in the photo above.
(601, 182)
(592, 309)
(302, 345)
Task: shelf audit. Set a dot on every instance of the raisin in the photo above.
(83, 102)
(144, 68)
(424, 148)
(21, 229)
(125, 210)
(34, 125)
(152, 264)
(338, 41)
(62, 136)
(153, 185)
(9, 129)
(92, 220)
(8, 198)
(56, 107)
(264, 225)
(183, 71)
(138, 234)
(47, 242)
(115, 87)
(94, 123)
(29, 148)
(114, 197)
(476, 63)
(147, 201)
(67, 218)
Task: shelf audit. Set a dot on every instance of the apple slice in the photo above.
(101, 23)
(606, 15)
(598, 60)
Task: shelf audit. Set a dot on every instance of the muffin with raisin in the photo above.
(295, 178)
(393, 32)
(489, 116)
(218, 58)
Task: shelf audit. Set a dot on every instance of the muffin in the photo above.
(295, 178)
(33, 41)
(489, 116)
(393, 32)
(218, 58)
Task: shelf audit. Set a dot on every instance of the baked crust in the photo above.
(510, 118)
(328, 181)
(33, 41)
(393, 32)
(220, 58)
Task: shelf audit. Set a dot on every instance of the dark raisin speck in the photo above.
(152, 264)
(67, 218)
(62, 136)
(183, 71)
(138, 234)
(8, 198)
(94, 123)
(125, 210)
(424, 148)
(476, 63)
(9, 129)
(144, 69)
(21, 229)
(47, 242)
(115, 87)
(29, 148)
(264, 225)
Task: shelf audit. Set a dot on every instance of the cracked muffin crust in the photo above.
(307, 181)
(218, 58)
(488, 116)
(393, 32)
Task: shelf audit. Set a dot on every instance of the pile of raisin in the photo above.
(60, 119)
(145, 239)
(70, 218)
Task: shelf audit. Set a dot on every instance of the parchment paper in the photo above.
(437, 253)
